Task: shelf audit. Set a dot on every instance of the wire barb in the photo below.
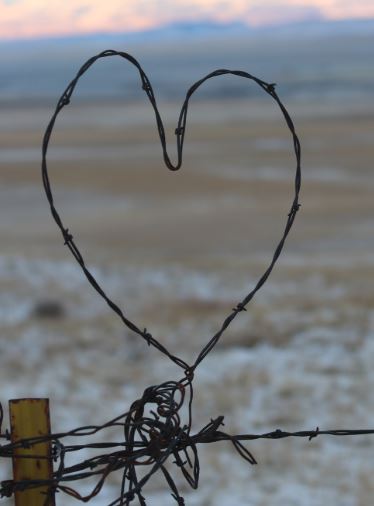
(68, 237)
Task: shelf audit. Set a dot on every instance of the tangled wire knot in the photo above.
(159, 434)
(153, 433)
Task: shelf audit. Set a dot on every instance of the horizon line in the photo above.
(159, 28)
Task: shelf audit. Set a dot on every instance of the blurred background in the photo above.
(178, 250)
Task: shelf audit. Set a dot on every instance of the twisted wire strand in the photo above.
(180, 134)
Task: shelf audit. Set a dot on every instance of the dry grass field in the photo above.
(177, 251)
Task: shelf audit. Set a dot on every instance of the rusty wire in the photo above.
(153, 431)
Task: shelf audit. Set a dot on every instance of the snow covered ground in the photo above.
(288, 363)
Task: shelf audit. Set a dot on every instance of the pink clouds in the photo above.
(280, 13)
(30, 18)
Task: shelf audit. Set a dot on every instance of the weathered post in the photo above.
(29, 418)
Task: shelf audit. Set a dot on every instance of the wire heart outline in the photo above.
(180, 133)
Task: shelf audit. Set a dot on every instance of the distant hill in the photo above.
(193, 29)
(207, 29)
(310, 59)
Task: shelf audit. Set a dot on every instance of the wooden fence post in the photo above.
(30, 418)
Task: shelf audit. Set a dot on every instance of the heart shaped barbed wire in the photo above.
(153, 429)
(180, 135)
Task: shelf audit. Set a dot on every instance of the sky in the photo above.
(44, 18)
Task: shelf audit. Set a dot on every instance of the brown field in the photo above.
(178, 251)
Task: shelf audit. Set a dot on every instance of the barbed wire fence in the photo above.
(158, 426)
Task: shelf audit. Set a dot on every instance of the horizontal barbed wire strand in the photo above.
(151, 451)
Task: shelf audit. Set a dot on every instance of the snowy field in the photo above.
(291, 364)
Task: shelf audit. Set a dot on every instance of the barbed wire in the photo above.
(153, 430)
(152, 433)
(180, 132)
